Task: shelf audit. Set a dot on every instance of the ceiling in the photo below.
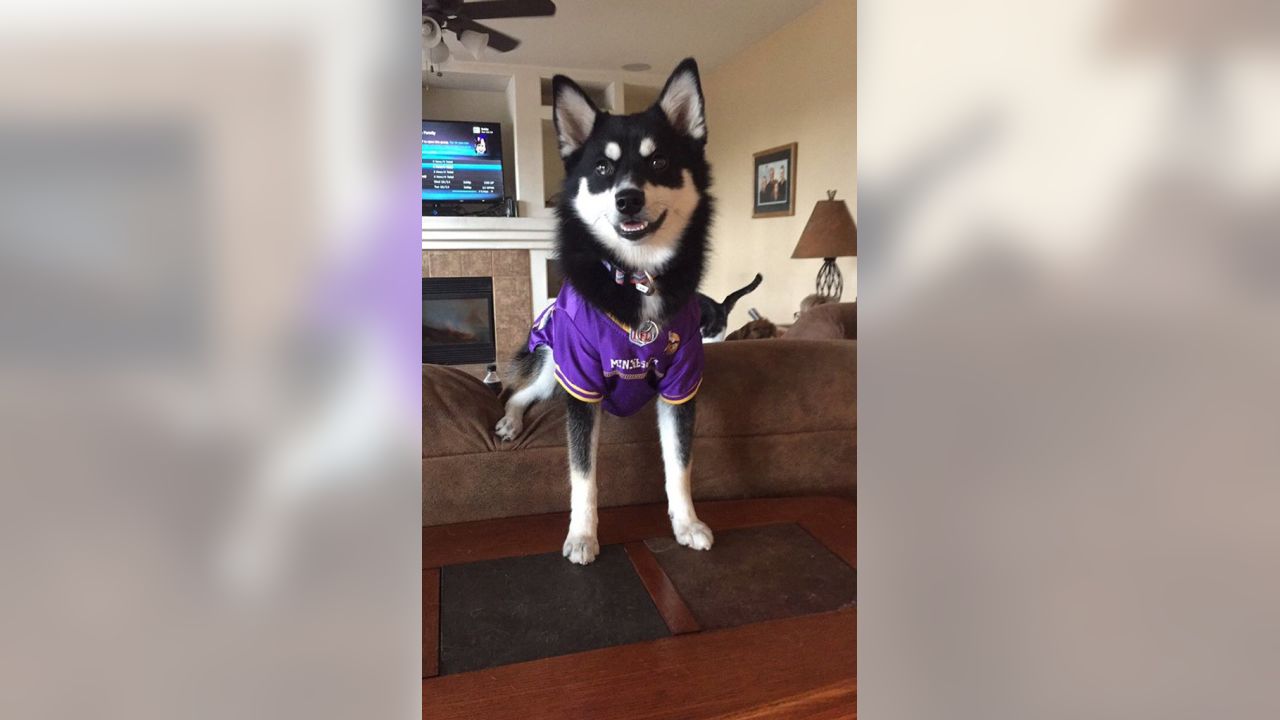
(607, 34)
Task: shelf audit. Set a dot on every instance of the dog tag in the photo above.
(644, 285)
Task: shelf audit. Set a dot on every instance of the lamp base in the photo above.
(830, 282)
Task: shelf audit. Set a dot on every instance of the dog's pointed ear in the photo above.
(573, 112)
(681, 101)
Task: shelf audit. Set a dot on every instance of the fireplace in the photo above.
(457, 320)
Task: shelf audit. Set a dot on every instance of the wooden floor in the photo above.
(798, 667)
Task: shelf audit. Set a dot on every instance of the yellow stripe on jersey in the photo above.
(564, 380)
(686, 398)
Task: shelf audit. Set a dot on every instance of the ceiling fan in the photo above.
(460, 17)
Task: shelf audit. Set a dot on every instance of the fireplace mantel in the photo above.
(536, 235)
(487, 233)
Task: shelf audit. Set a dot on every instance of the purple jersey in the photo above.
(597, 358)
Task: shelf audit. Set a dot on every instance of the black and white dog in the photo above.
(632, 242)
(715, 315)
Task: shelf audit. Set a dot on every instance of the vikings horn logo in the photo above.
(673, 342)
(645, 334)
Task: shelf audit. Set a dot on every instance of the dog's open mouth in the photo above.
(634, 229)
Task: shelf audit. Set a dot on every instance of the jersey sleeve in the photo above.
(577, 363)
(684, 376)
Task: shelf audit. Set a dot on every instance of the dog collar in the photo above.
(642, 281)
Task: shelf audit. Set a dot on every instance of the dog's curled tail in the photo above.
(736, 295)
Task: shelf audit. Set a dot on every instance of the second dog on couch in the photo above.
(632, 242)
(715, 315)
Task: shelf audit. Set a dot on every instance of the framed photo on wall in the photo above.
(774, 182)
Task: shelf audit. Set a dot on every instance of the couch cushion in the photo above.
(458, 412)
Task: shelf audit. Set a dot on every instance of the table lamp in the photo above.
(829, 234)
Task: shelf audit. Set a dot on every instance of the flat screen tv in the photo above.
(461, 163)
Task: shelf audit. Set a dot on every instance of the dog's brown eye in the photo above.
(604, 167)
(658, 163)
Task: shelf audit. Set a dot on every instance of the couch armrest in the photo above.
(826, 322)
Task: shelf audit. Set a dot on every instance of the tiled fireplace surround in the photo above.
(512, 291)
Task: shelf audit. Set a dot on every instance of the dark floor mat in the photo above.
(755, 574)
(515, 609)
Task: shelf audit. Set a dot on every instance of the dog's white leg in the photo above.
(540, 387)
(675, 429)
(581, 546)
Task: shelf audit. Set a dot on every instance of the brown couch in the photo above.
(774, 419)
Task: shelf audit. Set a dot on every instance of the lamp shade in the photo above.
(829, 233)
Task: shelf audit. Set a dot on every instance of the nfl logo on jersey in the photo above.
(645, 334)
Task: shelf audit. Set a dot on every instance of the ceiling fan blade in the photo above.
(498, 41)
(446, 7)
(494, 9)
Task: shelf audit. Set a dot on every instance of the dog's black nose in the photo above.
(629, 201)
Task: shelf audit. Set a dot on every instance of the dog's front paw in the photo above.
(508, 427)
(581, 549)
(694, 534)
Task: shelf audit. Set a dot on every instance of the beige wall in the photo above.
(796, 85)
